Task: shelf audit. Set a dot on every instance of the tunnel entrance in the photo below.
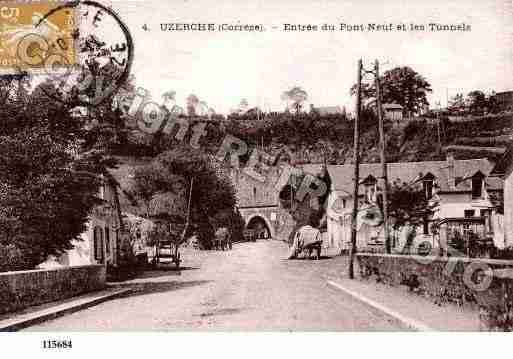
(257, 228)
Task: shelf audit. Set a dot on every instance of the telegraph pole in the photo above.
(356, 161)
(438, 127)
(382, 145)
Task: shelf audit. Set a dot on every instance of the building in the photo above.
(504, 169)
(504, 100)
(393, 111)
(98, 244)
(327, 110)
(461, 189)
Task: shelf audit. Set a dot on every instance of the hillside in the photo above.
(314, 139)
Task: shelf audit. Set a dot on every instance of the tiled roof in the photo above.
(409, 172)
(312, 168)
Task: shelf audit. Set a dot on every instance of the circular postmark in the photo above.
(99, 62)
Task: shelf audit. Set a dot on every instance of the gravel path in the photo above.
(251, 287)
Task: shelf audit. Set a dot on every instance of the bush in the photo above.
(13, 259)
(205, 235)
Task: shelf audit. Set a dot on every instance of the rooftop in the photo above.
(392, 106)
(410, 172)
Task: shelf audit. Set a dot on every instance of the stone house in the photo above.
(461, 188)
(504, 169)
(98, 244)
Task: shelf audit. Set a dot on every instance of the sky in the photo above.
(221, 68)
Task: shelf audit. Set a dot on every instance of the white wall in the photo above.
(454, 205)
(508, 209)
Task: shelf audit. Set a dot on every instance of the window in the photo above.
(107, 241)
(370, 190)
(428, 188)
(254, 193)
(477, 187)
(425, 226)
(98, 244)
(102, 192)
(469, 213)
(487, 215)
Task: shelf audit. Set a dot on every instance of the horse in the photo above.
(222, 239)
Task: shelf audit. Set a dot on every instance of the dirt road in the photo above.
(251, 287)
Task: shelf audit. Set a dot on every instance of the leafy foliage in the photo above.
(401, 85)
(407, 204)
(44, 202)
(50, 167)
(295, 98)
(212, 192)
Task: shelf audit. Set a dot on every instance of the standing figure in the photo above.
(223, 238)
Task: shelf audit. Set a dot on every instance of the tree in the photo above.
(401, 85)
(477, 101)
(295, 97)
(492, 103)
(192, 103)
(45, 201)
(243, 106)
(212, 192)
(50, 170)
(457, 101)
(147, 182)
(408, 205)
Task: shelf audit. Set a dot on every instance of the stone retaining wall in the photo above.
(21, 289)
(485, 285)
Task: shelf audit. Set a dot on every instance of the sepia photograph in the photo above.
(300, 167)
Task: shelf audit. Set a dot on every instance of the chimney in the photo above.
(451, 178)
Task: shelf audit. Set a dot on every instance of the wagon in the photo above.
(168, 245)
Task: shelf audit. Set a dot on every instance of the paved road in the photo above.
(249, 288)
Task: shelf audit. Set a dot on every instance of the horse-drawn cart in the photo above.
(168, 246)
(171, 233)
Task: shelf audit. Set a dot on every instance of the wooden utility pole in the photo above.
(382, 148)
(438, 128)
(356, 161)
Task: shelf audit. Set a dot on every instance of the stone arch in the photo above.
(263, 218)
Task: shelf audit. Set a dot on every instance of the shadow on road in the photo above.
(302, 258)
(163, 272)
(144, 288)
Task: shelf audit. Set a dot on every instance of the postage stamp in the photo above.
(32, 37)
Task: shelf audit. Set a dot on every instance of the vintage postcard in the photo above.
(284, 166)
